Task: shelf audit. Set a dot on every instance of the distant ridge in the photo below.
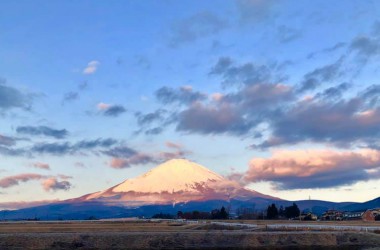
(375, 203)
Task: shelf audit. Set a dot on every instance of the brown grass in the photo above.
(337, 223)
(168, 235)
(146, 226)
(90, 226)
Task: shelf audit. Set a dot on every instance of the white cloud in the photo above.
(91, 67)
(103, 106)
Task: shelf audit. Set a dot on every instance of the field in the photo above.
(139, 234)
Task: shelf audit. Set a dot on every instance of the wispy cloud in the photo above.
(170, 144)
(11, 97)
(125, 157)
(12, 151)
(286, 34)
(70, 96)
(195, 27)
(42, 130)
(254, 11)
(328, 50)
(235, 74)
(49, 183)
(182, 95)
(91, 67)
(324, 74)
(69, 148)
(127, 162)
(41, 165)
(111, 110)
(7, 140)
(15, 180)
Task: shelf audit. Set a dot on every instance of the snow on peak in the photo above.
(171, 176)
(177, 180)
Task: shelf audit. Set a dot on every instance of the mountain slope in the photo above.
(83, 210)
(174, 181)
(375, 203)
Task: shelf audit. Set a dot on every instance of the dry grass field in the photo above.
(144, 226)
(346, 223)
(91, 226)
(176, 235)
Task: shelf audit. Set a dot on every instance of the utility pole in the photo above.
(311, 208)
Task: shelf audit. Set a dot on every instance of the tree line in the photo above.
(288, 212)
(272, 212)
(220, 214)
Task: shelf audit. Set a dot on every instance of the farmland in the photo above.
(144, 234)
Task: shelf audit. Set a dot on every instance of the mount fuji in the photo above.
(175, 181)
(177, 184)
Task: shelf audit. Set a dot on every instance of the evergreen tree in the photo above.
(162, 216)
(219, 214)
(297, 211)
(196, 214)
(180, 214)
(223, 214)
(292, 211)
(281, 212)
(272, 212)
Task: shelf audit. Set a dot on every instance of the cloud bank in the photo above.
(300, 169)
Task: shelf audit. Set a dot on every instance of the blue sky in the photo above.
(279, 95)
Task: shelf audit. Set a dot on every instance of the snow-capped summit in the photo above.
(177, 180)
(172, 176)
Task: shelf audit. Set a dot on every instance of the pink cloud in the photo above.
(16, 179)
(127, 162)
(118, 163)
(173, 145)
(217, 97)
(103, 106)
(164, 156)
(53, 184)
(137, 158)
(49, 183)
(210, 118)
(7, 141)
(315, 168)
(65, 177)
(41, 165)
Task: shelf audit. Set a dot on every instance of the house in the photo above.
(371, 215)
(332, 215)
(357, 215)
(308, 216)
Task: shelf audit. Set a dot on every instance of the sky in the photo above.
(281, 96)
